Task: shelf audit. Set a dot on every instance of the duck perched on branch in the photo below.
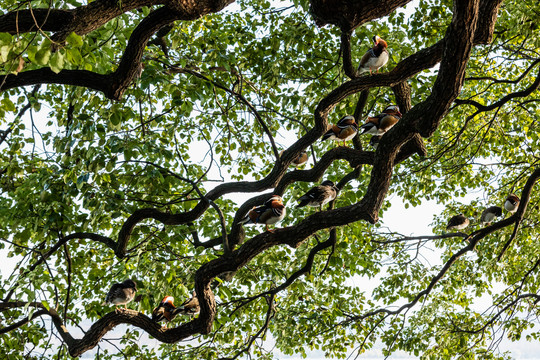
(374, 58)
(319, 195)
(121, 293)
(457, 222)
(380, 124)
(271, 212)
(345, 129)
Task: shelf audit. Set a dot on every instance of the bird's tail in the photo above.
(366, 127)
(181, 310)
(158, 317)
(302, 202)
(327, 135)
(245, 220)
(362, 70)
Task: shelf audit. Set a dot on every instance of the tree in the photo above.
(106, 108)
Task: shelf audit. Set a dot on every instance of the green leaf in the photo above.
(8, 104)
(5, 38)
(4, 52)
(56, 62)
(74, 40)
(43, 55)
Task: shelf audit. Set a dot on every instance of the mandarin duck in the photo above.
(189, 307)
(271, 212)
(165, 310)
(489, 214)
(319, 195)
(121, 293)
(299, 160)
(345, 129)
(511, 204)
(381, 123)
(457, 222)
(374, 58)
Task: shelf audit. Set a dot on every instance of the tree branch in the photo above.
(115, 84)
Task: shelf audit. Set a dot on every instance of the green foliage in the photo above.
(77, 162)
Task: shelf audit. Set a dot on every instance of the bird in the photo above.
(299, 160)
(374, 58)
(345, 129)
(121, 293)
(511, 204)
(489, 214)
(374, 141)
(457, 222)
(165, 310)
(381, 123)
(319, 195)
(272, 211)
(189, 307)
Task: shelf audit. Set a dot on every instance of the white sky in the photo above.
(397, 219)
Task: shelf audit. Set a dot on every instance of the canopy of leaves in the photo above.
(135, 136)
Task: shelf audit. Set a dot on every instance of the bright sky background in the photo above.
(411, 221)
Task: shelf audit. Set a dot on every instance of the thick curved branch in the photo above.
(348, 67)
(458, 45)
(486, 21)
(18, 304)
(23, 21)
(402, 92)
(108, 322)
(349, 14)
(115, 84)
(112, 85)
(81, 20)
(84, 78)
(354, 157)
(424, 118)
(85, 19)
